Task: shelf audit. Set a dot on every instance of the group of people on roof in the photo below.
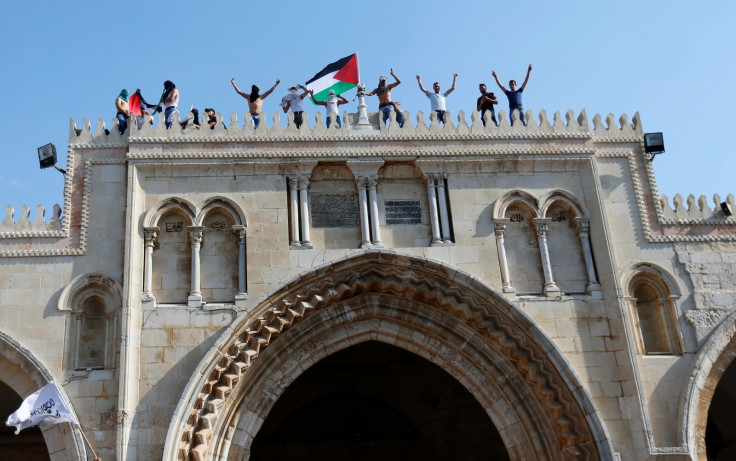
(128, 105)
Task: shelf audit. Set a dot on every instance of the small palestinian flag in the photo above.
(339, 76)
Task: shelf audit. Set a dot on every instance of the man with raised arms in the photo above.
(514, 95)
(437, 99)
(255, 100)
(331, 105)
(385, 104)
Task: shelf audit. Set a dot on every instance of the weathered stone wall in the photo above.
(546, 186)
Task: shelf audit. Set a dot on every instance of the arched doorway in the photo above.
(377, 401)
(459, 324)
(29, 444)
(21, 374)
(720, 430)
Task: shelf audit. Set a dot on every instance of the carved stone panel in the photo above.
(403, 212)
(334, 210)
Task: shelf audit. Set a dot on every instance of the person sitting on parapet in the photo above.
(138, 105)
(170, 101)
(437, 99)
(331, 105)
(385, 104)
(255, 100)
(295, 102)
(211, 117)
(121, 105)
(514, 95)
(485, 103)
(195, 119)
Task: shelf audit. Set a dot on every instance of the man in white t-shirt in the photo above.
(437, 99)
(294, 101)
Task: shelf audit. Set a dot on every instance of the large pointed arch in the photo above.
(25, 373)
(459, 323)
(715, 356)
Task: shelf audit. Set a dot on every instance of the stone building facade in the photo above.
(371, 292)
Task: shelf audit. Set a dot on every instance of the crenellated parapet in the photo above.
(23, 226)
(562, 126)
(562, 140)
(692, 211)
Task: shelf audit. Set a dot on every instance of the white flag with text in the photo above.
(44, 407)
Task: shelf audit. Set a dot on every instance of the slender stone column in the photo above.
(583, 228)
(542, 227)
(304, 204)
(444, 216)
(240, 232)
(499, 227)
(364, 221)
(371, 182)
(195, 295)
(150, 234)
(433, 217)
(294, 209)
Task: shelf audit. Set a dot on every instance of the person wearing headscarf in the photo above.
(330, 105)
(295, 102)
(170, 101)
(255, 100)
(121, 105)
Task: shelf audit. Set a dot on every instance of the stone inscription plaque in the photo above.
(403, 211)
(334, 210)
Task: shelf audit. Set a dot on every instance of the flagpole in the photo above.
(87, 440)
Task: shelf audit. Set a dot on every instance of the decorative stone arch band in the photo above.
(63, 441)
(496, 352)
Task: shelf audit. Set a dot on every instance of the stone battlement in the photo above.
(24, 227)
(568, 125)
(608, 139)
(692, 211)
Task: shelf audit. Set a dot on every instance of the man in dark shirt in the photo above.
(485, 103)
(514, 95)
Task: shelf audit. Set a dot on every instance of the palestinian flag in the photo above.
(134, 104)
(339, 76)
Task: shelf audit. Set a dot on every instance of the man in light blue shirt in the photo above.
(437, 99)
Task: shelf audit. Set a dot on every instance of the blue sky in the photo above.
(672, 61)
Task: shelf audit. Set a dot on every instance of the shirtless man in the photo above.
(121, 104)
(385, 104)
(255, 100)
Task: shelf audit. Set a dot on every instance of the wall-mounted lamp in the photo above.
(47, 157)
(653, 144)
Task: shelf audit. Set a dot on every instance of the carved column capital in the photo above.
(303, 183)
(293, 181)
(583, 227)
(195, 234)
(542, 226)
(431, 179)
(239, 230)
(499, 226)
(150, 234)
(361, 181)
(371, 181)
